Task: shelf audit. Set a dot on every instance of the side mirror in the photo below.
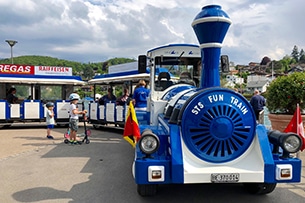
(224, 60)
(142, 63)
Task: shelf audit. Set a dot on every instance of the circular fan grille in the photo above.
(219, 133)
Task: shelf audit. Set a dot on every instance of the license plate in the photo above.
(224, 177)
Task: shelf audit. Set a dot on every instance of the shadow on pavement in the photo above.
(106, 177)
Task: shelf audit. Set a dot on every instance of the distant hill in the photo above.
(86, 70)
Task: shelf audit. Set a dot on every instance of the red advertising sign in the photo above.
(35, 70)
(16, 69)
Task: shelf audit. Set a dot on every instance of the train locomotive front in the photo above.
(209, 134)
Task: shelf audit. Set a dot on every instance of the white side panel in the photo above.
(119, 113)
(45, 111)
(250, 166)
(15, 110)
(157, 107)
(80, 107)
(2, 110)
(62, 109)
(110, 112)
(93, 111)
(31, 110)
(102, 112)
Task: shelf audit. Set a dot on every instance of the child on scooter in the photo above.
(74, 116)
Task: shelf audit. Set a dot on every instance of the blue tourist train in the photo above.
(194, 131)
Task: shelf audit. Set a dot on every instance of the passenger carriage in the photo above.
(36, 85)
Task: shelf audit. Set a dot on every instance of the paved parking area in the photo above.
(27, 137)
(36, 169)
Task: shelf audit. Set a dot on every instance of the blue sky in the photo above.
(97, 30)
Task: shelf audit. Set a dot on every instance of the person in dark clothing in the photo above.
(124, 99)
(109, 97)
(257, 102)
(11, 98)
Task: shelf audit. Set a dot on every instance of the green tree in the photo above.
(302, 56)
(285, 62)
(88, 72)
(295, 53)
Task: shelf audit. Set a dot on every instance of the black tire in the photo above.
(7, 126)
(66, 141)
(260, 188)
(87, 141)
(96, 126)
(147, 190)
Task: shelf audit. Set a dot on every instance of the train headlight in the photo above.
(149, 143)
(289, 142)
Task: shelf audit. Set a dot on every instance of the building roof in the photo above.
(256, 84)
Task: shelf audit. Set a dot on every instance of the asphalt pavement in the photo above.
(36, 169)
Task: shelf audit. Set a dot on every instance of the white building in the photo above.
(234, 79)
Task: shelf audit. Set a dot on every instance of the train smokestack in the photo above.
(210, 26)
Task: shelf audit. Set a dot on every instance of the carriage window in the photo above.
(51, 93)
(23, 91)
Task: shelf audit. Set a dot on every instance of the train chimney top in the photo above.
(210, 26)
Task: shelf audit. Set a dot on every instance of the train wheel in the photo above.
(147, 190)
(260, 188)
(96, 126)
(7, 126)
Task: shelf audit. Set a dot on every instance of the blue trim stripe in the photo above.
(269, 171)
(176, 152)
(116, 74)
(41, 76)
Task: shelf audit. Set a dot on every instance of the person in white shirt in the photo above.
(50, 119)
(74, 116)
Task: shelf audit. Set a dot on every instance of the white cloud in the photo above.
(96, 30)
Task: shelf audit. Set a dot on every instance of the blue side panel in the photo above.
(54, 109)
(41, 115)
(271, 160)
(143, 117)
(98, 112)
(296, 169)
(22, 111)
(267, 154)
(8, 111)
(142, 164)
(176, 151)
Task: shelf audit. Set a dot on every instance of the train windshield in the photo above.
(176, 70)
(175, 64)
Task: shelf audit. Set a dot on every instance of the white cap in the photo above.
(98, 96)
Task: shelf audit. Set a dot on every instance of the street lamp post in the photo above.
(11, 43)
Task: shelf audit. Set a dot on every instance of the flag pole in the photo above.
(298, 130)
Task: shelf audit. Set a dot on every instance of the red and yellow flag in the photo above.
(131, 130)
(296, 126)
